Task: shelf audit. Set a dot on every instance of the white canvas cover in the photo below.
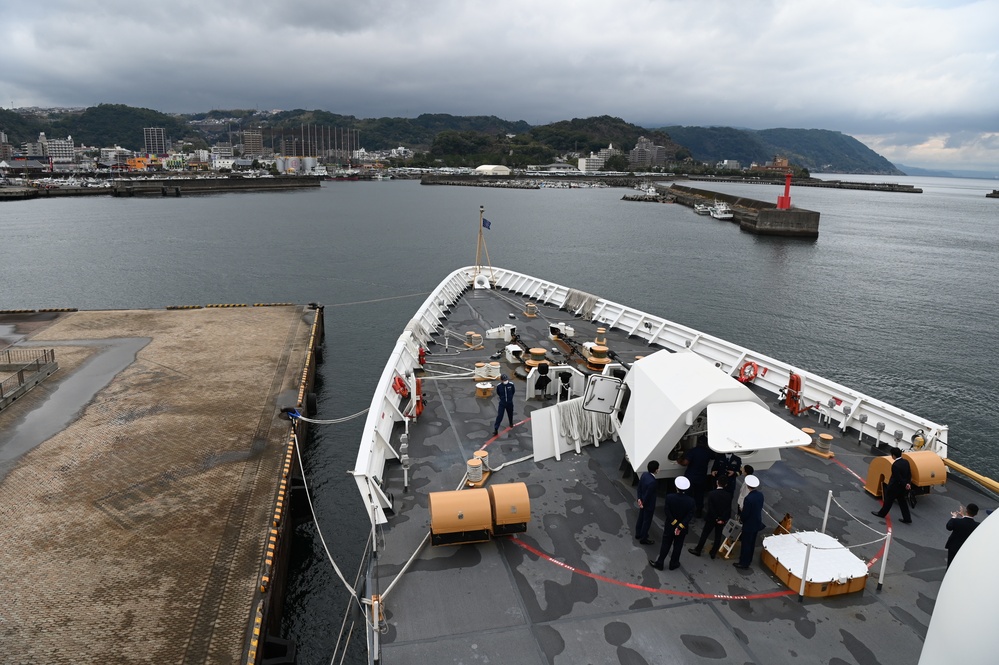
(669, 390)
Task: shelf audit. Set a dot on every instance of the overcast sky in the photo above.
(916, 80)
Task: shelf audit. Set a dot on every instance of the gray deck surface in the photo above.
(498, 602)
(139, 482)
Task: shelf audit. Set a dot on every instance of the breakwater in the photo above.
(759, 217)
(162, 187)
(811, 182)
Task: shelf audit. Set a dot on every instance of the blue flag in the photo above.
(486, 223)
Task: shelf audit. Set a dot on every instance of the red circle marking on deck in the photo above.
(640, 587)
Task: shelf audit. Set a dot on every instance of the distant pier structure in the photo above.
(759, 217)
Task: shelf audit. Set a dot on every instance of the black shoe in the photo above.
(674, 566)
(877, 514)
(906, 521)
(495, 432)
(694, 551)
(657, 566)
(713, 554)
(647, 541)
(740, 566)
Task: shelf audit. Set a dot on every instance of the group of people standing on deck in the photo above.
(709, 481)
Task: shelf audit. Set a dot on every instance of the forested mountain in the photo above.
(457, 140)
(818, 150)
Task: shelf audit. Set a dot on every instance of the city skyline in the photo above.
(915, 80)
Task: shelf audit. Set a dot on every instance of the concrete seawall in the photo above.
(759, 217)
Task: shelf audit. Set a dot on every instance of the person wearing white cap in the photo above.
(679, 513)
(752, 522)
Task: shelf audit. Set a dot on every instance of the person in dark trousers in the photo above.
(504, 391)
(698, 458)
(743, 489)
(727, 466)
(960, 525)
(679, 513)
(647, 486)
(899, 483)
(752, 522)
(719, 511)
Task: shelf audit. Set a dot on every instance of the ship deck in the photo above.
(139, 483)
(576, 587)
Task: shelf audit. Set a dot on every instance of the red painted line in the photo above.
(490, 440)
(639, 587)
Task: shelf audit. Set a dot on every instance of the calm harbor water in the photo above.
(897, 297)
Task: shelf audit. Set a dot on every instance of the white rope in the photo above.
(841, 546)
(335, 421)
(855, 519)
(315, 520)
(343, 624)
(577, 424)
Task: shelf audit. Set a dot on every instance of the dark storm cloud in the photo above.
(923, 70)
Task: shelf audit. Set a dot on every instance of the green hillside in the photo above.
(440, 138)
(818, 150)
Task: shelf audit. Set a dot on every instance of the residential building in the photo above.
(591, 163)
(155, 140)
(253, 142)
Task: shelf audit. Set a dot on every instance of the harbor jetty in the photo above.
(759, 217)
(147, 482)
(815, 182)
(152, 186)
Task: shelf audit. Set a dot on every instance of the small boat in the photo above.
(721, 210)
(702, 208)
(993, 195)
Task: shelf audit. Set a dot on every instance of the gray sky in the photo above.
(916, 80)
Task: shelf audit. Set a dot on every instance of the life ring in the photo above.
(418, 409)
(423, 356)
(400, 387)
(749, 371)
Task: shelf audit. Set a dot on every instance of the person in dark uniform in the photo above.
(719, 512)
(727, 466)
(679, 512)
(960, 525)
(899, 483)
(647, 486)
(752, 522)
(504, 391)
(697, 459)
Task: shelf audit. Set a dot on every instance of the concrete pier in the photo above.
(144, 485)
(759, 217)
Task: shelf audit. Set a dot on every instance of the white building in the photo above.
(591, 163)
(492, 169)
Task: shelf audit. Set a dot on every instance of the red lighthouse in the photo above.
(784, 202)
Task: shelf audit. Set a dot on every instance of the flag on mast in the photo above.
(486, 223)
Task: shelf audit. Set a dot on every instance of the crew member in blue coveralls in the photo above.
(505, 392)
(647, 486)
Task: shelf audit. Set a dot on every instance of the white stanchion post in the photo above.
(884, 561)
(804, 573)
(825, 517)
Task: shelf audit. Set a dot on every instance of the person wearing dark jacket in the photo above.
(960, 525)
(899, 483)
(752, 522)
(679, 512)
(719, 511)
(505, 392)
(727, 466)
(698, 458)
(647, 486)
